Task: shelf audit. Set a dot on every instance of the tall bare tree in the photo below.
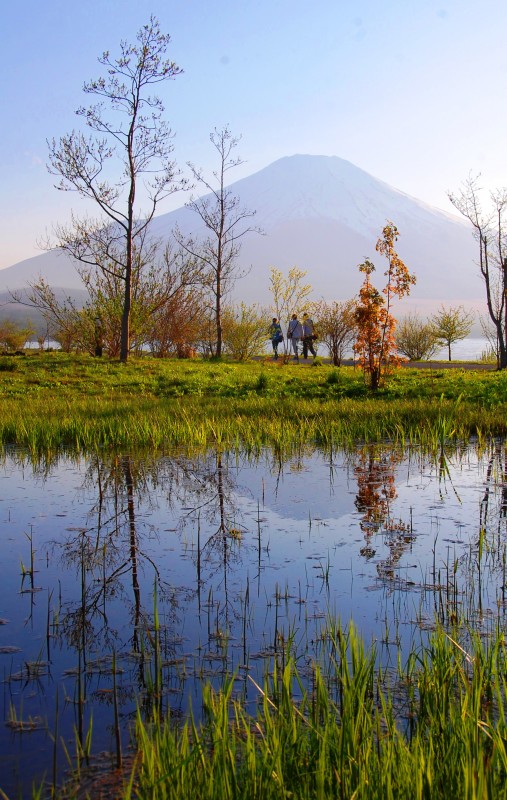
(490, 231)
(129, 132)
(225, 220)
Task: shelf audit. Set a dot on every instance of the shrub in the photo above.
(415, 338)
(8, 365)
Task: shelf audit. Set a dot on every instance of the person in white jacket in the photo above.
(295, 333)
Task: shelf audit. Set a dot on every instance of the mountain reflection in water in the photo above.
(127, 580)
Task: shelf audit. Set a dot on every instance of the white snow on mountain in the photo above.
(324, 215)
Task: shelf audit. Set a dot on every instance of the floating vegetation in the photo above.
(22, 724)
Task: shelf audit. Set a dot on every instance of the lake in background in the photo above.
(467, 350)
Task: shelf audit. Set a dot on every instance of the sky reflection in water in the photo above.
(242, 554)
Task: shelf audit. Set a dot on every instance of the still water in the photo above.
(184, 566)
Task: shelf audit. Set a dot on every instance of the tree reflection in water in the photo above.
(374, 469)
(108, 556)
(496, 476)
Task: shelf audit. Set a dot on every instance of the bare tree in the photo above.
(174, 328)
(157, 288)
(451, 325)
(132, 133)
(62, 316)
(225, 222)
(490, 334)
(336, 326)
(490, 231)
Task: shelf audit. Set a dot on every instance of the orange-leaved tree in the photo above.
(375, 343)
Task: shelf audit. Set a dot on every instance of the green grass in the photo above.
(432, 728)
(55, 400)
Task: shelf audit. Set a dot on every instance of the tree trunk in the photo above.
(125, 324)
(503, 343)
(127, 301)
(218, 313)
(375, 379)
(502, 354)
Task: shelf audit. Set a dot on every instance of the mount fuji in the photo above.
(324, 215)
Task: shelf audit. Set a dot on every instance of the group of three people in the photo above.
(297, 331)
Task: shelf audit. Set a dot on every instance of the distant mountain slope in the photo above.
(25, 316)
(324, 215)
(56, 267)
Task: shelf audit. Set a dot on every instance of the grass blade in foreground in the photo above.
(345, 736)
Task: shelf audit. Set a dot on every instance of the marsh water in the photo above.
(129, 579)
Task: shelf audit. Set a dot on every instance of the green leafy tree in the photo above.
(244, 331)
(12, 336)
(415, 338)
(128, 134)
(289, 294)
(450, 325)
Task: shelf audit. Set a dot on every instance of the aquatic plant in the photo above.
(437, 728)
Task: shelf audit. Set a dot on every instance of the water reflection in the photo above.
(374, 469)
(495, 478)
(141, 575)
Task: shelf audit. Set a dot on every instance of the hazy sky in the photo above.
(412, 91)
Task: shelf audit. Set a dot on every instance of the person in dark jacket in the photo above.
(276, 336)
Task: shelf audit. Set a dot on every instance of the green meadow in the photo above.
(56, 400)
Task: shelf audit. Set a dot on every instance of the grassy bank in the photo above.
(55, 400)
(432, 728)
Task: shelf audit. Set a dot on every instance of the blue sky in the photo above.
(412, 91)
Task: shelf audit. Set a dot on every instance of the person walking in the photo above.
(295, 333)
(276, 336)
(308, 336)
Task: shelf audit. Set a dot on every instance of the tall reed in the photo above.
(339, 734)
